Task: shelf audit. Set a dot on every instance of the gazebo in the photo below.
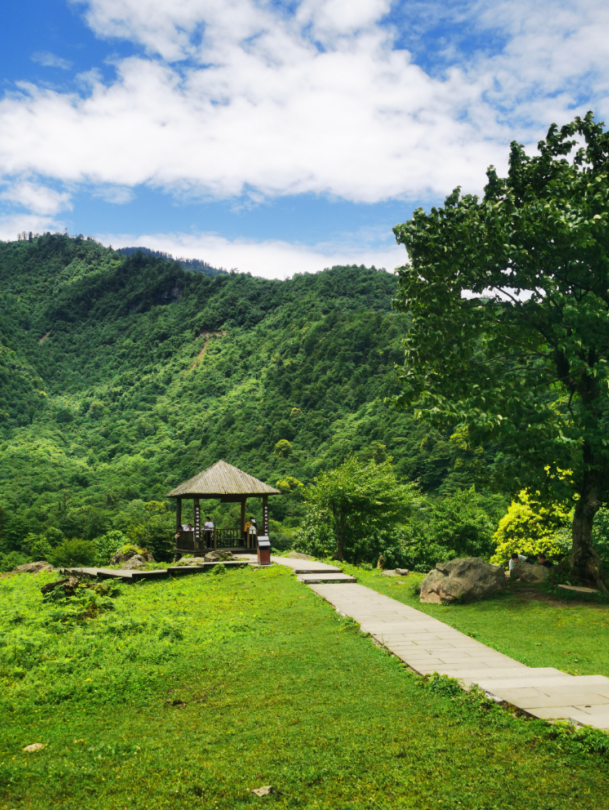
(230, 485)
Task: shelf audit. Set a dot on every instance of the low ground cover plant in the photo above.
(192, 692)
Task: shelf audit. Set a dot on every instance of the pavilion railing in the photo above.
(221, 538)
(233, 537)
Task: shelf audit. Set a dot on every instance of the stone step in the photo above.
(314, 579)
(324, 570)
(305, 566)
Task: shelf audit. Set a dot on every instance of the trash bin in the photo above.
(264, 550)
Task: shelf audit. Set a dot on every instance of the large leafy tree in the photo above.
(509, 301)
(360, 501)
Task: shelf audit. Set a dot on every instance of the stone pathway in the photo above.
(428, 645)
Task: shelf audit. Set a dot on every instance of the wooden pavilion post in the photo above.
(265, 515)
(197, 509)
(178, 515)
(243, 520)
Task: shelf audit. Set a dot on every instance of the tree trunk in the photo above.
(585, 562)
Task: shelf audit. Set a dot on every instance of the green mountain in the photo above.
(121, 376)
(188, 264)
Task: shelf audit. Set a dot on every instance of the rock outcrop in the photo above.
(135, 562)
(529, 573)
(123, 557)
(462, 580)
(34, 567)
(219, 556)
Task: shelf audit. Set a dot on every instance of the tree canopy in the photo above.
(361, 500)
(508, 297)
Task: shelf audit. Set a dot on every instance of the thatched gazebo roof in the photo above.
(222, 480)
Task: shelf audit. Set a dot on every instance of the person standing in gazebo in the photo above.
(208, 530)
(251, 530)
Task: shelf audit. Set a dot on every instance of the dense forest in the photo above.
(121, 376)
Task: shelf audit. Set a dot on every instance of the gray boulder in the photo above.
(119, 557)
(462, 580)
(135, 562)
(402, 572)
(529, 573)
(191, 561)
(218, 556)
(34, 567)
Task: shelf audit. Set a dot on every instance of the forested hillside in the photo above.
(122, 376)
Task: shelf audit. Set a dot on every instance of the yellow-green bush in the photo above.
(529, 528)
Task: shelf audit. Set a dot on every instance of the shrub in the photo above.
(457, 523)
(315, 535)
(130, 548)
(107, 545)
(358, 501)
(530, 528)
(37, 547)
(74, 552)
(12, 559)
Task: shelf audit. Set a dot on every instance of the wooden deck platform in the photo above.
(135, 575)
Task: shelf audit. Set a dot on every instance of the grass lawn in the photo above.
(561, 632)
(193, 691)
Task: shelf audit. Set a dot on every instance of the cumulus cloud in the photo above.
(47, 59)
(268, 259)
(237, 96)
(117, 195)
(37, 198)
(13, 224)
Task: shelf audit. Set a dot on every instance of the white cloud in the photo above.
(268, 259)
(12, 225)
(37, 198)
(47, 59)
(320, 101)
(118, 195)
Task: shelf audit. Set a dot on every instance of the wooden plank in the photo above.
(160, 573)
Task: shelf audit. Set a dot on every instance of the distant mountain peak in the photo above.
(195, 265)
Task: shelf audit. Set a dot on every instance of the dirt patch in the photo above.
(207, 336)
(532, 594)
(45, 337)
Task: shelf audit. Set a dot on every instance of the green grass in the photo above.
(277, 690)
(563, 634)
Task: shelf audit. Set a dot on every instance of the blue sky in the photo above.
(276, 137)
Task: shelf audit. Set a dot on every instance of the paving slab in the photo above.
(530, 698)
(529, 681)
(516, 676)
(312, 579)
(303, 566)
